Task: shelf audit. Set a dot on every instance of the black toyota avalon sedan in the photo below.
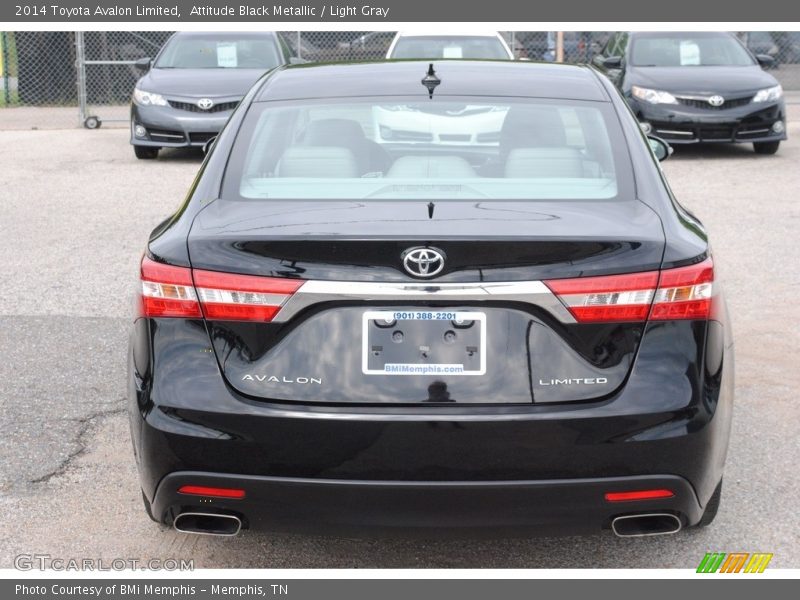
(512, 331)
(190, 89)
(697, 87)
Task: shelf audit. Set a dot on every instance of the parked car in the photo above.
(696, 87)
(449, 45)
(341, 334)
(193, 85)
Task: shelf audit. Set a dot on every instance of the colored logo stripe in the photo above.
(735, 562)
(757, 563)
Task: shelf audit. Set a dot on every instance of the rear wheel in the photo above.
(711, 508)
(766, 147)
(145, 152)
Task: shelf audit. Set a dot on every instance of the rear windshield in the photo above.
(449, 47)
(688, 50)
(219, 51)
(476, 148)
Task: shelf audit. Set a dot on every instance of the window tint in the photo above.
(449, 47)
(398, 149)
(687, 50)
(220, 52)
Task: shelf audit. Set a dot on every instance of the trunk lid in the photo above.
(321, 348)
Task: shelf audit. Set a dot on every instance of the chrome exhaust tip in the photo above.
(207, 524)
(646, 525)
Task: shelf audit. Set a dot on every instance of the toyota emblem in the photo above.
(423, 262)
(716, 100)
(205, 103)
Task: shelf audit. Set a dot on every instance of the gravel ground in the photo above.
(75, 212)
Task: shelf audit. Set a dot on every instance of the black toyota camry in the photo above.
(697, 87)
(505, 324)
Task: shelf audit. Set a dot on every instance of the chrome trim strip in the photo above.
(166, 135)
(673, 132)
(534, 293)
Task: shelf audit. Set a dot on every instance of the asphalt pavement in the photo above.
(75, 211)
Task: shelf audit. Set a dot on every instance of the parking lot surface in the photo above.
(75, 212)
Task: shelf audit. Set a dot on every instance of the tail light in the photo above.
(682, 293)
(167, 291)
(685, 292)
(230, 297)
(170, 291)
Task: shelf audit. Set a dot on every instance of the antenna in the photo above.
(430, 81)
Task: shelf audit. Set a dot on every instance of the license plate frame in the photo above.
(423, 368)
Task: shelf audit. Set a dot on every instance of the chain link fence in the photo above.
(55, 79)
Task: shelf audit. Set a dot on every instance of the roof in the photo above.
(458, 78)
(233, 35)
(449, 33)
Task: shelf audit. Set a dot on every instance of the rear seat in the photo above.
(533, 163)
(317, 161)
(430, 167)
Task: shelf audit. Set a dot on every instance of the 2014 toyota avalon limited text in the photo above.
(503, 332)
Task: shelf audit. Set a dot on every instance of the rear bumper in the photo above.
(496, 508)
(496, 468)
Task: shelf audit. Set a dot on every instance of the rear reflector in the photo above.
(167, 291)
(231, 297)
(638, 495)
(211, 492)
(682, 293)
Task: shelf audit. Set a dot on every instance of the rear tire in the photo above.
(145, 152)
(766, 147)
(711, 508)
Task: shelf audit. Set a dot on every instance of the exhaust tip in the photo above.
(207, 524)
(646, 525)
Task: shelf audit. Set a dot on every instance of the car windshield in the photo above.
(449, 47)
(412, 149)
(219, 52)
(688, 50)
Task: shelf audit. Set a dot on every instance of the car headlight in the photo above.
(653, 96)
(769, 94)
(143, 98)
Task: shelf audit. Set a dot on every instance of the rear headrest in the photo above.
(532, 126)
(430, 167)
(317, 161)
(544, 162)
(330, 132)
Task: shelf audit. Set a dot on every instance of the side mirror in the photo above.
(209, 144)
(296, 60)
(612, 62)
(765, 60)
(143, 64)
(661, 149)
